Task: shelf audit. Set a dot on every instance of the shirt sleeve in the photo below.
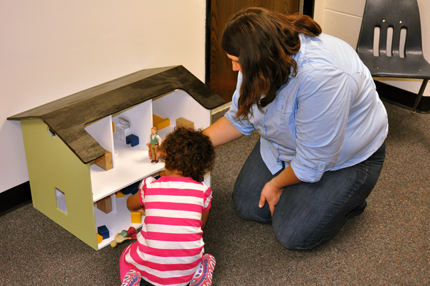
(243, 125)
(323, 104)
(208, 199)
(142, 188)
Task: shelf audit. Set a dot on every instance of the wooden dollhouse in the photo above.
(64, 138)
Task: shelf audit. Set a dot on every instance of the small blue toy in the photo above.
(132, 139)
(103, 231)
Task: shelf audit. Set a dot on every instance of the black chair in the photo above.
(402, 17)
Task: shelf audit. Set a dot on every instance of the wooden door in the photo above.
(219, 75)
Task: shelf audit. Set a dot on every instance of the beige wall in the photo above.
(50, 49)
(342, 18)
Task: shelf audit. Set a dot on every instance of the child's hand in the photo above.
(133, 203)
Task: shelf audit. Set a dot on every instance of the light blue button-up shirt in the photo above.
(328, 117)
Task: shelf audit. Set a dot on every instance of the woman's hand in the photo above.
(272, 191)
(270, 194)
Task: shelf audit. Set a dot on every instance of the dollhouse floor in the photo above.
(387, 245)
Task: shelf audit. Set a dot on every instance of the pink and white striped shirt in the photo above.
(170, 245)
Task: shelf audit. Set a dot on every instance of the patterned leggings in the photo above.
(202, 277)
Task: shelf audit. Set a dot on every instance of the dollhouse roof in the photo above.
(67, 117)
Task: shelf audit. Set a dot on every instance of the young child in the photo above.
(169, 248)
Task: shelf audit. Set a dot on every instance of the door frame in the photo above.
(305, 7)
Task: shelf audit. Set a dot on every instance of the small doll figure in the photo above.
(154, 142)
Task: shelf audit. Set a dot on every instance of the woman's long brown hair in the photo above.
(264, 42)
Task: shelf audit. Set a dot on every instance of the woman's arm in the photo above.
(272, 191)
(222, 132)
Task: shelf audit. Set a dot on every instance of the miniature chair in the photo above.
(397, 52)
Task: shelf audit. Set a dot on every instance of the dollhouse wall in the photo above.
(54, 168)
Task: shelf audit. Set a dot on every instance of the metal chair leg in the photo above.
(420, 95)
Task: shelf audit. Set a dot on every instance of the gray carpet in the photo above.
(389, 244)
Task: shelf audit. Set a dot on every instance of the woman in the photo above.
(321, 122)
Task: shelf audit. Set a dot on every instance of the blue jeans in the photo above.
(307, 214)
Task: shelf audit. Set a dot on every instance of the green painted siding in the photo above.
(52, 165)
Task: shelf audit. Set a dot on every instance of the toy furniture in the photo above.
(122, 129)
(136, 217)
(105, 204)
(184, 123)
(64, 138)
(103, 231)
(132, 139)
(106, 161)
(159, 122)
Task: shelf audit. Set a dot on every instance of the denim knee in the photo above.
(239, 208)
(296, 240)
(248, 209)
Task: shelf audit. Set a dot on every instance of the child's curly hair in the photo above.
(189, 151)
